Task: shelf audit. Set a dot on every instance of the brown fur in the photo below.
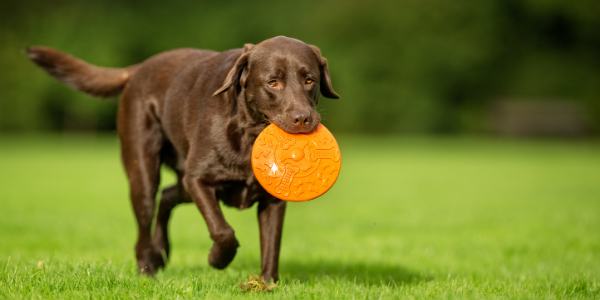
(199, 112)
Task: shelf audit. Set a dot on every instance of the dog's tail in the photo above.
(79, 75)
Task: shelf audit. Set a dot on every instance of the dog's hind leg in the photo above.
(141, 142)
(171, 197)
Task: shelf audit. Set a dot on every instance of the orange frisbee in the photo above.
(296, 167)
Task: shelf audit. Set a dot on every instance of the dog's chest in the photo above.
(241, 194)
(237, 186)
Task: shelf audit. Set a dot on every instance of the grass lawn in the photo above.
(408, 218)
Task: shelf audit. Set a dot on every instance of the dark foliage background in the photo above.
(411, 66)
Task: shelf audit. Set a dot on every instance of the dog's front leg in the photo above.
(225, 244)
(271, 212)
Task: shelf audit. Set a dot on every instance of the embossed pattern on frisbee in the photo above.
(296, 167)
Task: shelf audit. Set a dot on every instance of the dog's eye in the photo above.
(309, 81)
(273, 83)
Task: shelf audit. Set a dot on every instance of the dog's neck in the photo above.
(245, 123)
(243, 111)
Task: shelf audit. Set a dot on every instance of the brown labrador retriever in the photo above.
(199, 112)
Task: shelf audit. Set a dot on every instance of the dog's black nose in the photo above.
(300, 118)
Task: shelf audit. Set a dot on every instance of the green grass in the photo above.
(408, 218)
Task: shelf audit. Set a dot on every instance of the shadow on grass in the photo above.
(359, 273)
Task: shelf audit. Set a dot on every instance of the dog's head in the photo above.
(281, 78)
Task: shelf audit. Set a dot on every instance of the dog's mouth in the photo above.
(290, 128)
(265, 120)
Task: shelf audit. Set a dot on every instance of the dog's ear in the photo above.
(238, 72)
(326, 88)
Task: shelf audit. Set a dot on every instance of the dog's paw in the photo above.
(158, 260)
(150, 262)
(146, 269)
(221, 254)
(270, 276)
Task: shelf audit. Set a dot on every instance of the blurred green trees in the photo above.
(417, 66)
